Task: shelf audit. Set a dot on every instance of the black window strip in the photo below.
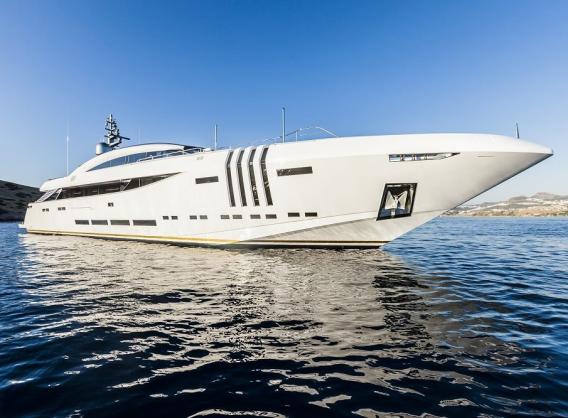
(230, 179)
(237, 216)
(81, 222)
(225, 217)
(99, 222)
(133, 158)
(112, 187)
(265, 177)
(293, 214)
(241, 182)
(192, 216)
(311, 214)
(144, 222)
(202, 216)
(202, 180)
(119, 222)
(252, 178)
(270, 216)
(255, 216)
(294, 171)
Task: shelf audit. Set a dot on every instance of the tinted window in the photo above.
(144, 222)
(202, 180)
(294, 171)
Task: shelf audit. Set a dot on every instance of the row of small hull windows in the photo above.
(152, 222)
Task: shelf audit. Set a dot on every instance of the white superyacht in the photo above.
(339, 192)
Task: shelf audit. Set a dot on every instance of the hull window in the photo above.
(270, 216)
(99, 222)
(311, 214)
(294, 171)
(144, 222)
(237, 216)
(225, 217)
(255, 216)
(293, 214)
(81, 222)
(202, 216)
(120, 222)
(203, 180)
(397, 200)
(265, 177)
(241, 182)
(252, 178)
(230, 179)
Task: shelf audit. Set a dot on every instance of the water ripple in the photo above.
(462, 317)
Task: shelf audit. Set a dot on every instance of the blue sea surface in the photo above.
(462, 317)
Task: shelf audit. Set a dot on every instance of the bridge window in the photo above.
(133, 158)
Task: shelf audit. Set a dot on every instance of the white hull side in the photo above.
(345, 191)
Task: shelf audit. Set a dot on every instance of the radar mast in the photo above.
(112, 136)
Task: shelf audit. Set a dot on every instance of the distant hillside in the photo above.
(14, 199)
(540, 204)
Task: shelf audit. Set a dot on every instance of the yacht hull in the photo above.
(359, 192)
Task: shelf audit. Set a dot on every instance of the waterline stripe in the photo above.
(196, 239)
(155, 237)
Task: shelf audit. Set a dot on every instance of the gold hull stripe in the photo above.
(152, 237)
(201, 240)
(286, 241)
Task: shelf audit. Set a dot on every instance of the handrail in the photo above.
(319, 128)
(297, 133)
(299, 130)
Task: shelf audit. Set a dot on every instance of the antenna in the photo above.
(112, 136)
(283, 124)
(215, 142)
(517, 126)
(67, 150)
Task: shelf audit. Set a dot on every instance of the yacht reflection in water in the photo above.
(285, 331)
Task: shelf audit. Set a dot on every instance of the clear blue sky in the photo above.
(173, 69)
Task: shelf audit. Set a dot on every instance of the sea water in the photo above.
(461, 317)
